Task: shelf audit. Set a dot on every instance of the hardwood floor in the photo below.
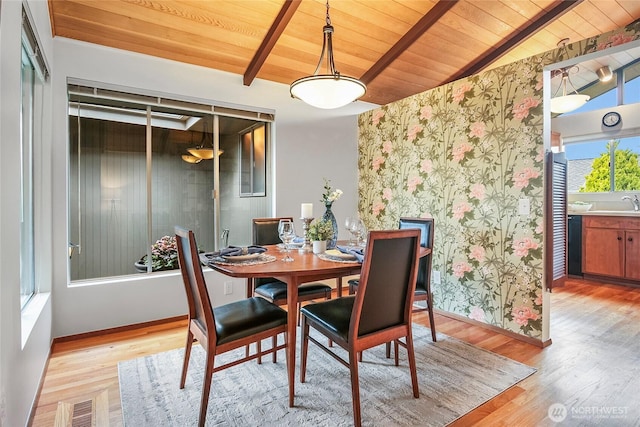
(593, 365)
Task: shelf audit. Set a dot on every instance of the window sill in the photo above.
(31, 313)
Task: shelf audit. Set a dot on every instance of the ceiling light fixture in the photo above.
(569, 100)
(604, 73)
(202, 151)
(191, 159)
(331, 90)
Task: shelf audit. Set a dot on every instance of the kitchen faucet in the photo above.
(635, 201)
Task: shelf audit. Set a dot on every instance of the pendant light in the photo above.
(569, 100)
(331, 90)
(204, 151)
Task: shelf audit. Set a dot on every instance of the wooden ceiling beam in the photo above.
(277, 28)
(408, 39)
(515, 38)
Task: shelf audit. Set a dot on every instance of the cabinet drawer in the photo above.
(615, 222)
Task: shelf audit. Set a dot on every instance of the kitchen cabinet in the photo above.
(611, 247)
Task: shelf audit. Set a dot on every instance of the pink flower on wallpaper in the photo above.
(387, 147)
(539, 228)
(460, 150)
(460, 208)
(426, 112)
(377, 208)
(521, 247)
(387, 194)
(522, 315)
(413, 131)
(540, 155)
(477, 191)
(413, 182)
(521, 178)
(461, 267)
(377, 115)
(458, 93)
(477, 313)
(477, 253)
(615, 40)
(478, 129)
(377, 161)
(426, 166)
(521, 110)
(539, 84)
(538, 300)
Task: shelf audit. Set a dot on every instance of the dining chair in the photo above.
(226, 327)
(423, 282)
(378, 313)
(265, 232)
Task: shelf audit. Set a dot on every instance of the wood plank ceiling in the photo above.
(397, 47)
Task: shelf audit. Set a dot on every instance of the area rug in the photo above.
(454, 378)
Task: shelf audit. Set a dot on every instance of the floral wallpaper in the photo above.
(466, 153)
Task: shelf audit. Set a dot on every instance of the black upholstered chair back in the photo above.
(425, 225)
(386, 289)
(200, 308)
(265, 232)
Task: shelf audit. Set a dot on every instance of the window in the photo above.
(33, 75)
(252, 162)
(134, 175)
(603, 166)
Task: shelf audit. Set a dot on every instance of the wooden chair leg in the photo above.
(387, 350)
(304, 347)
(355, 388)
(432, 322)
(274, 343)
(412, 364)
(259, 350)
(395, 350)
(206, 387)
(187, 355)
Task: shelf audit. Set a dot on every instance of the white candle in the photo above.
(306, 210)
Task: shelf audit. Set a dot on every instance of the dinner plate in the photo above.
(337, 254)
(239, 258)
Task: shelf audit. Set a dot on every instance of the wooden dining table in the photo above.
(305, 267)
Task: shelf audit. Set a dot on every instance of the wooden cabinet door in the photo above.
(603, 252)
(632, 255)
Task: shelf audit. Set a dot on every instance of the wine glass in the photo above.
(355, 227)
(287, 233)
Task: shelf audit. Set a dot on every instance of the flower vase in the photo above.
(328, 216)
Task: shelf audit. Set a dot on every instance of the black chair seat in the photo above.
(334, 314)
(277, 290)
(245, 318)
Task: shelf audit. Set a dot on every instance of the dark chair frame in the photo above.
(225, 328)
(361, 321)
(423, 281)
(263, 234)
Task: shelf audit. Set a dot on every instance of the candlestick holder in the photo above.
(307, 243)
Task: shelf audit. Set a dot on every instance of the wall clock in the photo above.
(611, 119)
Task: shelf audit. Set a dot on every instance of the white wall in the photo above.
(309, 144)
(22, 358)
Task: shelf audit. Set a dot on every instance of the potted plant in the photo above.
(319, 232)
(164, 256)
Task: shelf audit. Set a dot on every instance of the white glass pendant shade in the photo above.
(330, 90)
(191, 159)
(201, 153)
(327, 91)
(566, 103)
